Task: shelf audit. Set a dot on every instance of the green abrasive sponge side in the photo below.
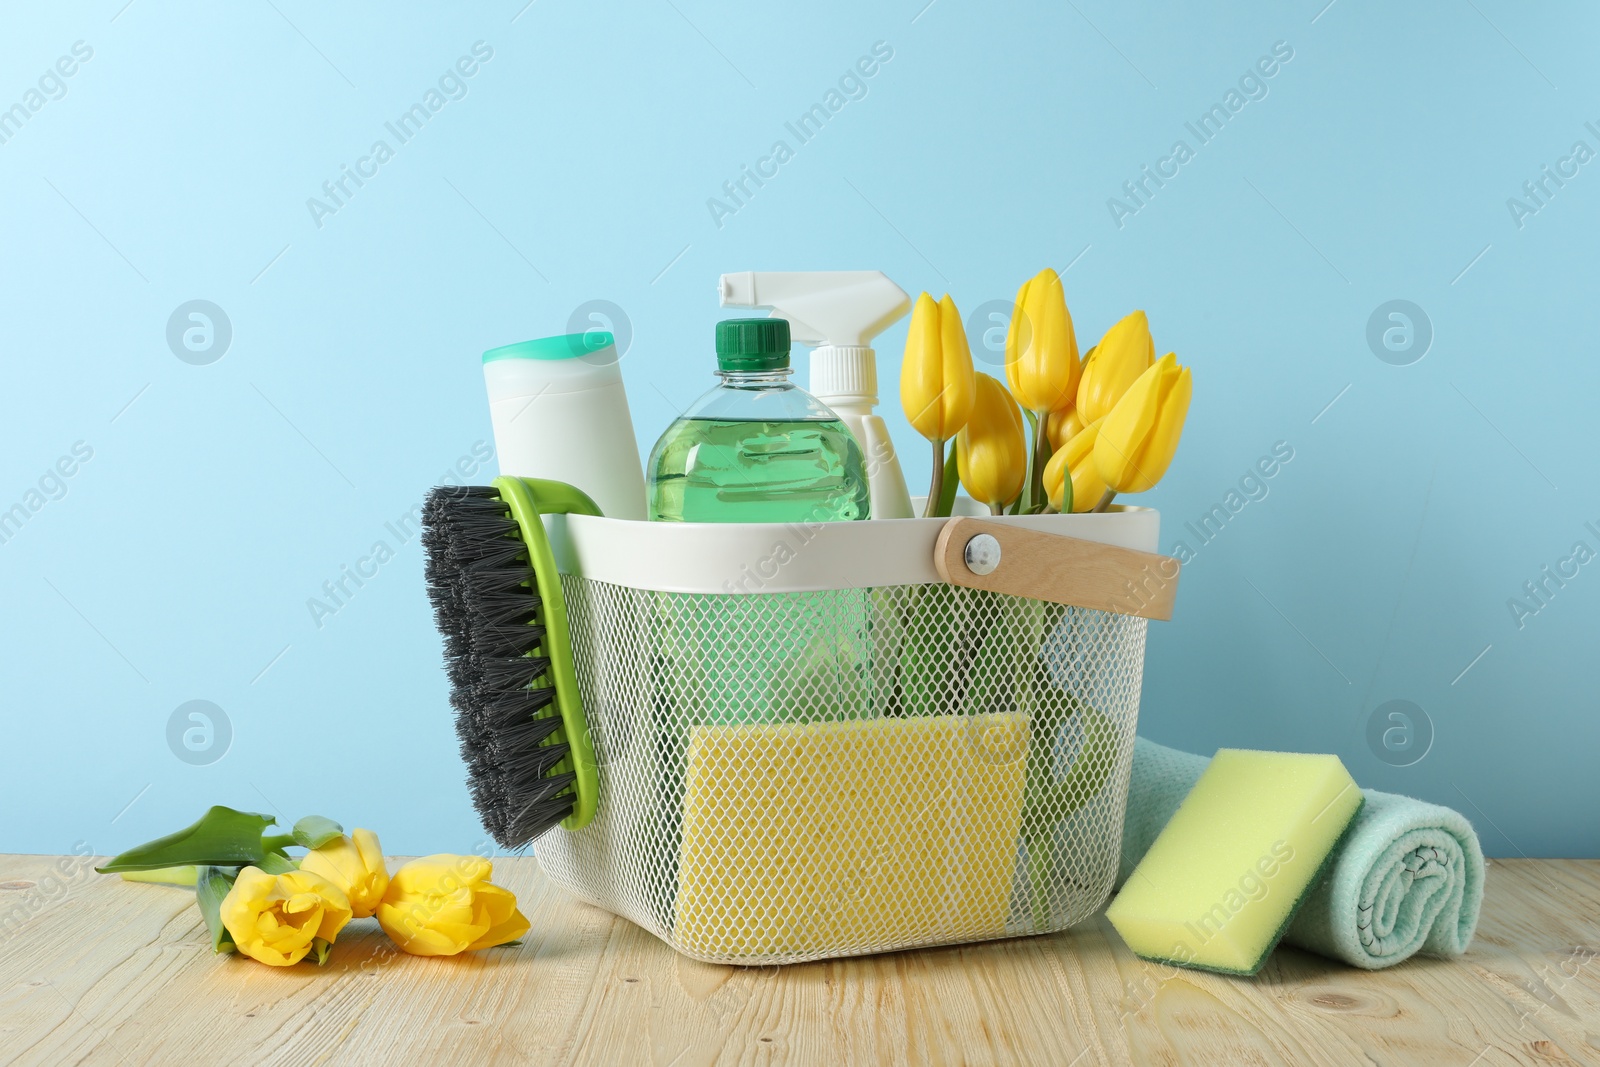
(1217, 889)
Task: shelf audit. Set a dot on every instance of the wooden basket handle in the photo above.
(1004, 558)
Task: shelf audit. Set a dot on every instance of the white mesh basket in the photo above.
(827, 740)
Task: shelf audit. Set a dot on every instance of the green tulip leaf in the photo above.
(1048, 801)
(278, 863)
(1067, 502)
(175, 876)
(222, 837)
(321, 946)
(1033, 473)
(314, 831)
(210, 888)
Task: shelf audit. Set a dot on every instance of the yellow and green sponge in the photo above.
(1217, 889)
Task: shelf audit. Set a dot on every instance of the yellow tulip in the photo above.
(1041, 348)
(992, 449)
(1124, 353)
(443, 905)
(1041, 365)
(1076, 458)
(1061, 427)
(276, 918)
(355, 865)
(936, 380)
(1140, 435)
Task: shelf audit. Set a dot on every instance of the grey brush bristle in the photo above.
(485, 598)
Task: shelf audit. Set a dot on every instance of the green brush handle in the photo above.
(529, 499)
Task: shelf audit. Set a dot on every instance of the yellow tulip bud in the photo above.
(992, 449)
(1076, 458)
(1124, 353)
(275, 918)
(1140, 435)
(354, 864)
(1041, 348)
(442, 905)
(936, 379)
(1062, 426)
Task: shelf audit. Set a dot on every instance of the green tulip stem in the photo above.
(1105, 501)
(1035, 470)
(936, 489)
(952, 482)
(1036, 487)
(277, 842)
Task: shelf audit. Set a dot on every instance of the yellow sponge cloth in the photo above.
(812, 837)
(1218, 888)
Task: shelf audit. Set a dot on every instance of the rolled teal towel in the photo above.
(1406, 879)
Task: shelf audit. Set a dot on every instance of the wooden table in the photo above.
(94, 970)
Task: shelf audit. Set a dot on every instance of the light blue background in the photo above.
(177, 166)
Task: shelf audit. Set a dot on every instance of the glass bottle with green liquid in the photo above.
(757, 448)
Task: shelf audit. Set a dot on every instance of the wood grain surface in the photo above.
(94, 970)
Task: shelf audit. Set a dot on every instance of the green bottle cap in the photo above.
(562, 346)
(745, 345)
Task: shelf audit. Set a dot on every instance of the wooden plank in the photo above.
(1062, 570)
(97, 971)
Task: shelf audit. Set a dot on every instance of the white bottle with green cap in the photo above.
(560, 412)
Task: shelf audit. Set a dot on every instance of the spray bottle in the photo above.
(839, 312)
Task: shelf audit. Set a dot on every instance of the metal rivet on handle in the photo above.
(982, 554)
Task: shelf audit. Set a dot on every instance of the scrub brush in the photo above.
(497, 600)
